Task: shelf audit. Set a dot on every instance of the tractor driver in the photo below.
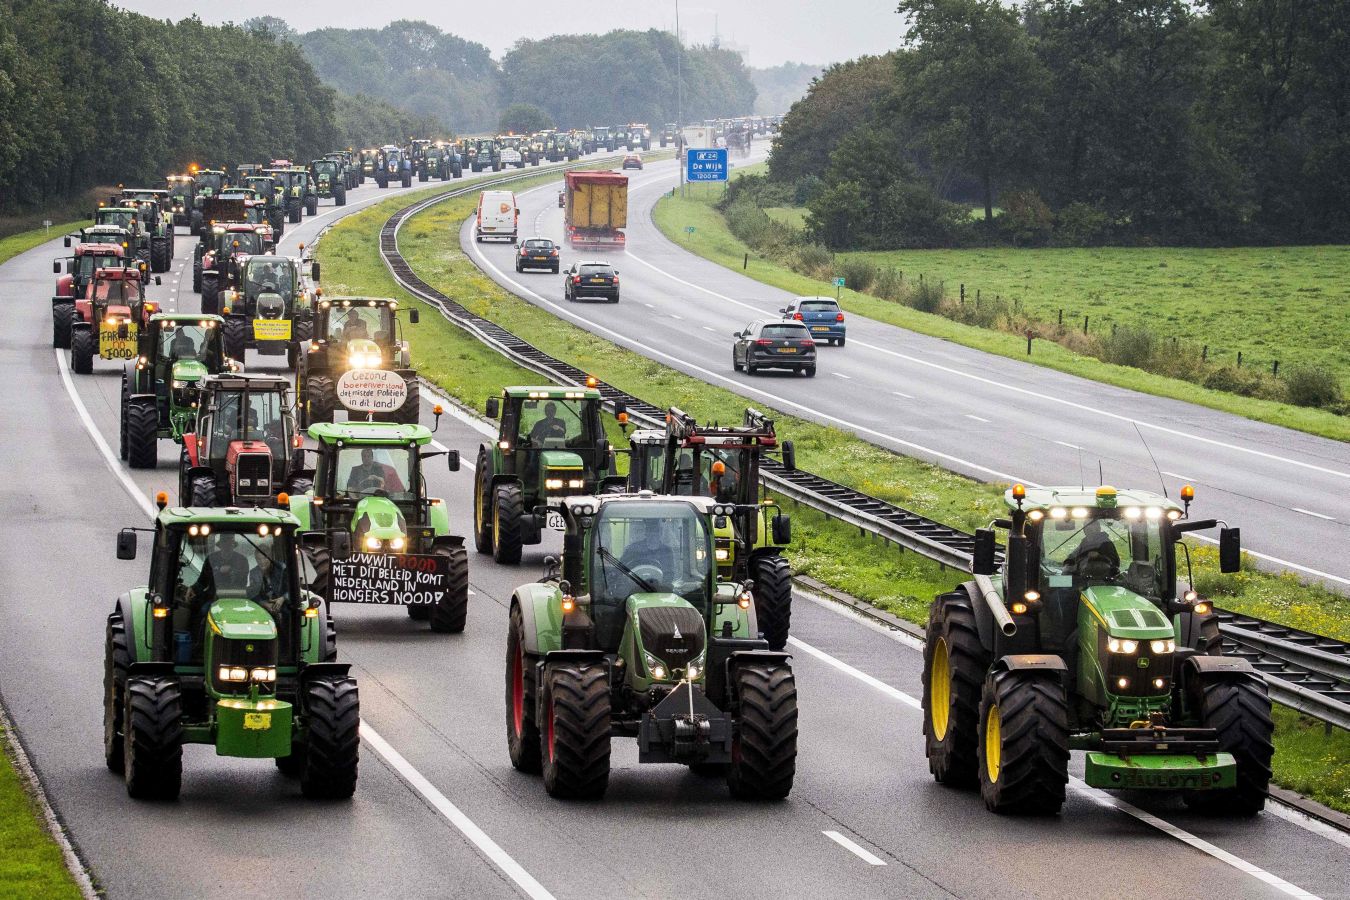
(354, 328)
(225, 571)
(1096, 558)
(373, 476)
(182, 346)
(651, 550)
(550, 426)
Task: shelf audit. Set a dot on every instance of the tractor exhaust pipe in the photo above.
(995, 603)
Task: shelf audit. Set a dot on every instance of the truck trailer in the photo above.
(596, 210)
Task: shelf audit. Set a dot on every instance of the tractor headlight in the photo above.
(693, 671)
(233, 673)
(397, 543)
(721, 554)
(1167, 646)
(372, 543)
(576, 483)
(179, 385)
(553, 484)
(654, 667)
(264, 674)
(1119, 645)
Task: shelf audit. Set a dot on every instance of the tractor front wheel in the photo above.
(82, 351)
(321, 561)
(195, 223)
(451, 611)
(339, 196)
(1024, 742)
(233, 337)
(312, 205)
(62, 315)
(141, 433)
(764, 755)
(954, 666)
(333, 740)
(410, 413)
(116, 661)
(210, 288)
(482, 505)
(773, 598)
(320, 399)
(1238, 708)
(508, 508)
(153, 743)
(161, 254)
(574, 739)
(294, 210)
(202, 491)
(522, 731)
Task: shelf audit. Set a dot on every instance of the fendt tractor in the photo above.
(225, 647)
(244, 449)
(636, 636)
(1083, 640)
(105, 322)
(294, 189)
(369, 512)
(76, 272)
(484, 154)
(350, 334)
(160, 387)
(267, 307)
(551, 444)
(329, 181)
(723, 462)
(182, 190)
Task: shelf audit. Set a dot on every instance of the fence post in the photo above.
(1113, 329)
(1085, 324)
(1204, 354)
(1028, 342)
(963, 293)
(1239, 359)
(1275, 368)
(746, 264)
(1061, 317)
(977, 298)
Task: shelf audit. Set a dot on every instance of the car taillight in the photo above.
(616, 279)
(553, 252)
(576, 279)
(797, 316)
(763, 343)
(839, 318)
(808, 343)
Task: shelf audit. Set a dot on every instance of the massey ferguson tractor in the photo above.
(354, 333)
(76, 272)
(1089, 637)
(222, 248)
(107, 320)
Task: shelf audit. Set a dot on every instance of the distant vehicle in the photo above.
(591, 279)
(821, 316)
(774, 345)
(498, 216)
(537, 253)
(632, 161)
(562, 199)
(596, 210)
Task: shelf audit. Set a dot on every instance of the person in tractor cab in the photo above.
(1096, 559)
(354, 328)
(224, 570)
(652, 550)
(268, 585)
(722, 486)
(273, 433)
(182, 346)
(265, 276)
(549, 427)
(373, 476)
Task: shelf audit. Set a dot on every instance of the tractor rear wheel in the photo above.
(764, 752)
(141, 433)
(82, 351)
(202, 491)
(482, 505)
(451, 611)
(423, 175)
(339, 196)
(410, 413)
(116, 660)
(574, 738)
(319, 398)
(210, 288)
(522, 731)
(233, 337)
(153, 743)
(407, 179)
(195, 223)
(954, 666)
(312, 205)
(62, 315)
(1238, 708)
(419, 612)
(321, 561)
(333, 740)
(161, 254)
(773, 598)
(294, 210)
(1024, 742)
(508, 507)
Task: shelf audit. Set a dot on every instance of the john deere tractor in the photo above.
(267, 308)
(369, 512)
(76, 272)
(329, 180)
(1086, 638)
(244, 449)
(636, 636)
(551, 445)
(272, 198)
(224, 647)
(351, 333)
(160, 388)
(105, 322)
(294, 190)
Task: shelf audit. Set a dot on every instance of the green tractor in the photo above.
(182, 190)
(207, 183)
(293, 191)
(636, 636)
(155, 211)
(551, 444)
(350, 334)
(224, 647)
(271, 197)
(128, 218)
(444, 161)
(330, 182)
(160, 388)
(369, 514)
(688, 459)
(267, 308)
(1083, 640)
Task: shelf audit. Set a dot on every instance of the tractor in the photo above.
(348, 334)
(369, 164)
(329, 181)
(218, 258)
(267, 308)
(485, 154)
(444, 161)
(294, 191)
(160, 388)
(244, 448)
(551, 444)
(104, 323)
(182, 190)
(208, 183)
(636, 636)
(688, 459)
(348, 166)
(270, 197)
(76, 272)
(370, 513)
(392, 164)
(1082, 639)
(418, 149)
(155, 212)
(129, 219)
(225, 647)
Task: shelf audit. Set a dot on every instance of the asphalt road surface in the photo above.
(438, 809)
(985, 416)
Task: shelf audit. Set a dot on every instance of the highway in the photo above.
(985, 416)
(438, 810)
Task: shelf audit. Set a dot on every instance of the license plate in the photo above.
(820, 328)
(257, 721)
(554, 521)
(787, 349)
(597, 281)
(539, 258)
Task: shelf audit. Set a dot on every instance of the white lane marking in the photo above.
(649, 305)
(1315, 515)
(1025, 391)
(977, 418)
(486, 845)
(414, 778)
(1074, 447)
(673, 316)
(1081, 787)
(709, 328)
(853, 848)
(1179, 477)
(899, 394)
(842, 375)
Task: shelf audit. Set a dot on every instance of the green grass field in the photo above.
(31, 864)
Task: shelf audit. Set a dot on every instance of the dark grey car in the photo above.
(774, 345)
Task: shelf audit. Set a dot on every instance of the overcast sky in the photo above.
(773, 31)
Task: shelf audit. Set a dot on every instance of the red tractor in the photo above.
(107, 320)
(228, 244)
(76, 271)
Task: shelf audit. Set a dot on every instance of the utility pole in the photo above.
(679, 92)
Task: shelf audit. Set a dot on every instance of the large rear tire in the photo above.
(574, 739)
(82, 351)
(153, 743)
(161, 254)
(407, 179)
(295, 210)
(320, 399)
(508, 507)
(116, 661)
(522, 731)
(1238, 708)
(773, 598)
(1024, 742)
(210, 288)
(482, 505)
(410, 413)
(333, 739)
(339, 196)
(141, 426)
(234, 337)
(954, 666)
(202, 491)
(312, 205)
(452, 610)
(321, 561)
(62, 315)
(764, 755)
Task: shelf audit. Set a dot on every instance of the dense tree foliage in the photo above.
(523, 118)
(1086, 121)
(778, 87)
(366, 122)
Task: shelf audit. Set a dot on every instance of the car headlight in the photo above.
(1168, 646)
(1119, 645)
(372, 543)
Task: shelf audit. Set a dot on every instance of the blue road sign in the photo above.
(706, 165)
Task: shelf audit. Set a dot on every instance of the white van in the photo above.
(497, 216)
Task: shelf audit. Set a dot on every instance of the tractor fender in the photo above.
(540, 616)
(1203, 664)
(505, 478)
(58, 299)
(453, 541)
(438, 517)
(132, 605)
(311, 671)
(1030, 662)
(190, 448)
(80, 325)
(194, 470)
(151, 669)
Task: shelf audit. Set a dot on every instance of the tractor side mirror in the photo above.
(620, 407)
(342, 544)
(126, 544)
(314, 270)
(494, 408)
(1016, 577)
(452, 460)
(782, 530)
(789, 456)
(982, 559)
(67, 240)
(1230, 550)
(157, 281)
(56, 266)
(413, 317)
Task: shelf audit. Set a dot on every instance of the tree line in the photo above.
(1081, 122)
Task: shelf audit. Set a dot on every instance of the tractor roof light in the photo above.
(162, 499)
(1132, 512)
(1080, 512)
(1019, 493)
(1058, 512)
(1153, 513)
(1106, 497)
(1035, 515)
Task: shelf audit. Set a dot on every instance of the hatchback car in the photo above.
(537, 253)
(821, 316)
(632, 161)
(591, 279)
(774, 345)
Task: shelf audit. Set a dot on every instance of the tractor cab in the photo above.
(78, 269)
(245, 447)
(127, 218)
(181, 191)
(356, 333)
(161, 390)
(105, 322)
(325, 172)
(264, 308)
(210, 182)
(226, 245)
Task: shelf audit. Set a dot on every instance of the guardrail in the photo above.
(1307, 672)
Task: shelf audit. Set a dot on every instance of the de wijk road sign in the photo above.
(706, 165)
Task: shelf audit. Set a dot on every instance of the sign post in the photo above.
(838, 288)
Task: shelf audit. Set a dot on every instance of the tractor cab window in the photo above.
(88, 264)
(250, 242)
(551, 424)
(371, 323)
(325, 167)
(117, 218)
(364, 471)
(116, 291)
(249, 417)
(215, 565)
(646, 547)
(1082, 553)
(210, 183)
(274, 275)
(179, 341)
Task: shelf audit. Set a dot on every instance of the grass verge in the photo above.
(15, 244)
(836, 554)
(1153, 287)
(31, 864)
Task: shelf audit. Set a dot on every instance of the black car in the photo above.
(591, 279)
(774, 345)
(537, 253)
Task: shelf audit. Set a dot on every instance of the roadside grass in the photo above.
(31, 864)
(834, 553)
(23, 241)
(1310, 760)
(1288, 303)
